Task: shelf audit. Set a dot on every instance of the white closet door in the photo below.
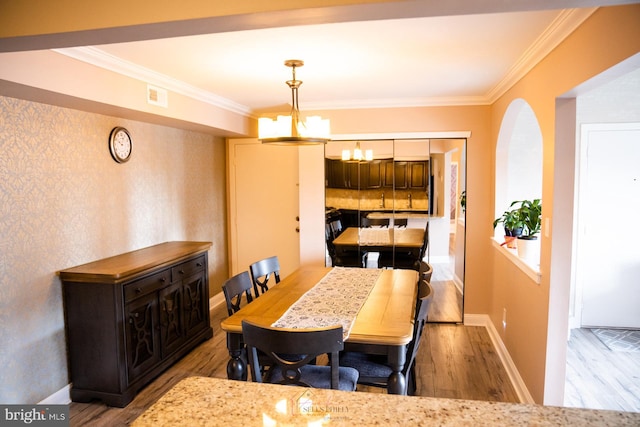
(263, 204)
(609, 239)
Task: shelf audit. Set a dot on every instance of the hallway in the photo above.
(598, 378)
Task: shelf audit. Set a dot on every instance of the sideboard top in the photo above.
(119, 267)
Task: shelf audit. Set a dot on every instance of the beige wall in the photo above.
(608, 37)
(64, 202)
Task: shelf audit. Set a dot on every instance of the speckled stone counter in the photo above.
(199, 401)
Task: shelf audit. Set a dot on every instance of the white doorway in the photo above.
(608, 259)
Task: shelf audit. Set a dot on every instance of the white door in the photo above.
(263, 204)
(609, 235)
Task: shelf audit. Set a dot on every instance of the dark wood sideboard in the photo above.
(131, 316)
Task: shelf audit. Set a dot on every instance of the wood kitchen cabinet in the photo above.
(406, 175)
(354, 175)
(131, 316)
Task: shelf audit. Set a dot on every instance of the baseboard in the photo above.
(60, 397)
(216, 300)
(458, 283)
(514, 376)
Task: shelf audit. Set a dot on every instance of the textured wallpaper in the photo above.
(65, 202)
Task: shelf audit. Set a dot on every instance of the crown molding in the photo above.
(562, 26)
(102, 59)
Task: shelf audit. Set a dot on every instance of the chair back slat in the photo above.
(425, 294)
(426, 271)
(281, 344)
(234, 288)
(261, 272)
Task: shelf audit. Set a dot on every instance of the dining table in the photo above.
(373, 239)
(383, 324)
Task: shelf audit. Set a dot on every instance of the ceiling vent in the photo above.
(157, 96)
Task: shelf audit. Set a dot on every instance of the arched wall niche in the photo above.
(518, 157)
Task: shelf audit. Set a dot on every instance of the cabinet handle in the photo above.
(181, 271)
(198, 264)
(163, 279)
(138, 290)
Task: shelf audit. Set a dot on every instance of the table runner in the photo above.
(335, 300)
(375, 236)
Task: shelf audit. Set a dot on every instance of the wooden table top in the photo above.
(386, 318)
(127, 265)
(398, 237)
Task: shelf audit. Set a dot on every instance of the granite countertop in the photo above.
(200, 401)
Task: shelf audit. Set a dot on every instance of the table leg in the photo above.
(397, 383)
(237, 366)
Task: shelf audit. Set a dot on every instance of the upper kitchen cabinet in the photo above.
(340, 174)
(352, 174)
(407, 175)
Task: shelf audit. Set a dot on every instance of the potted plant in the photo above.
(530, 213)
(463, 201)
(512, 224)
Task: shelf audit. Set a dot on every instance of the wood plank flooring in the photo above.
(454, 361)
(446, 305)
(598, 378)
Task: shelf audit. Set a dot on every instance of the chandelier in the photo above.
(357, 154)
(290, 130)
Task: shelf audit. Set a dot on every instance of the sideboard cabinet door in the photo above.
(141, 332)
(172, 331)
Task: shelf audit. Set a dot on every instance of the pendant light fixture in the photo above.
(290, 130)
(358, 155)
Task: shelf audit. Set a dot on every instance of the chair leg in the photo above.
(411, 380)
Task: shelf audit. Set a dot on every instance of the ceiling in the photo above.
(381, 54)
(436, 60)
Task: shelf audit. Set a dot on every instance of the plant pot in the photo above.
(510, 236)
(529, 249)
(510, 241)
(516, 232)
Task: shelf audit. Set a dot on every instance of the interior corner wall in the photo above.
(65, 202)
(610, 35)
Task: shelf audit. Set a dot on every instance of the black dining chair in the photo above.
(343, 258)
(336, 227)
(374, 222)
(400, 222)
(399, 258)
(280, 344)
(234, 288)
(373, 368)
(261, 272)
(426, 271)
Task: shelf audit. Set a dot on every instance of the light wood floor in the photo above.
(598, 378)
(454, 361)
(446, 305)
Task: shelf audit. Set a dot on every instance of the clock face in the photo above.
(120, 144)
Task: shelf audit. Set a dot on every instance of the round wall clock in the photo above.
(120, 144)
